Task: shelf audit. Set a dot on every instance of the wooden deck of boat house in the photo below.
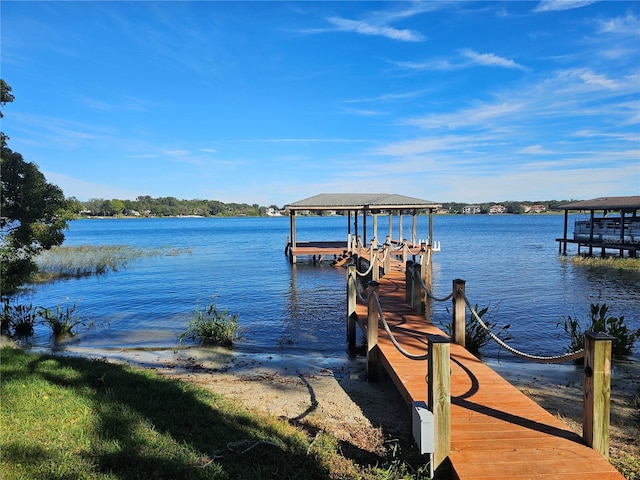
(354, 206)
(617, 228)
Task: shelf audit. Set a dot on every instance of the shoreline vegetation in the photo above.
(146, 206)
(63, 262)
(613, 262)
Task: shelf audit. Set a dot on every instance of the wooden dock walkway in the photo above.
(497, 432)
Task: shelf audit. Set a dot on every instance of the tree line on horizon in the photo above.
(147, 206)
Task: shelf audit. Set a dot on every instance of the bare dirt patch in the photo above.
(363, 416)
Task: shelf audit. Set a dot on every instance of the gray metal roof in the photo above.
(628, 204)
(360, 201)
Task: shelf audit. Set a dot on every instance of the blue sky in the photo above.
(272, 102)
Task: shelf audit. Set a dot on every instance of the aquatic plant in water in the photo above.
(18, 320)
(212, 326)
(600, 321)
(62, 321)
(85, 260)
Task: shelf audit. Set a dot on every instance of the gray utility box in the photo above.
(423, 427)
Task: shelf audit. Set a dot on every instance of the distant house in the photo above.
(495, 209)
(534, 208)
(471, 209)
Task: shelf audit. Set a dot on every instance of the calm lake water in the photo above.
(510, 263)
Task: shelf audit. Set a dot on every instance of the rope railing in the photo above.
(429, 292)
(567, 357)
(535, 358)
(411, 356)
(367, 272)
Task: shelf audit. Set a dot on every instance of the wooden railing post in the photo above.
(416, 295)
(425, 261)
(439, 395)
(375, 261)
(351, 305)
(408, 284)
(459, 312)
(405, 251)
(597, 391)
(387, 258)
(372, 333)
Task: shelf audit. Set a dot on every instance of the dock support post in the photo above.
(416, 289)
(375, 268)
(408, 281)
(459, 313)
(439, 395)
(425, 261)
(292, 227)
(351, 306)
(372, 333)
(387, 252)
(426, 274)
(597, 391)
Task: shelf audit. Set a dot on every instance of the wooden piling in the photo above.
(372, 333)
(439, 395)
(416, 293)
(459, 313)
(408, 278)
(597, 391)
(375, 267)
(351, 306)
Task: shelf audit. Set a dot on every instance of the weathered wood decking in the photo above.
(497, 432)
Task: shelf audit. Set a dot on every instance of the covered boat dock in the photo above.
(616, 228)
(356, 206)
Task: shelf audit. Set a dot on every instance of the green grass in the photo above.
(70, 418)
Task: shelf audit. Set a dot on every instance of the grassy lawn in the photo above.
(64, 418)
(72, 418)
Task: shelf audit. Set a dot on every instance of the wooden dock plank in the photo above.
(497, 432)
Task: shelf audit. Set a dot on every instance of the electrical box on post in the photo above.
(423, 427)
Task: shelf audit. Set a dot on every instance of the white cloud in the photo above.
(362, 112)
(489, 59)
(364, 28)
(477, 115)
(534, 150)
(470, 58)
(555, 5)
(628, 25)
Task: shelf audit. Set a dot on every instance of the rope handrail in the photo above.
(416, 252)
(535, 358)
(364, 274)
(385, 253)
(411, 356)
(429, 292)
